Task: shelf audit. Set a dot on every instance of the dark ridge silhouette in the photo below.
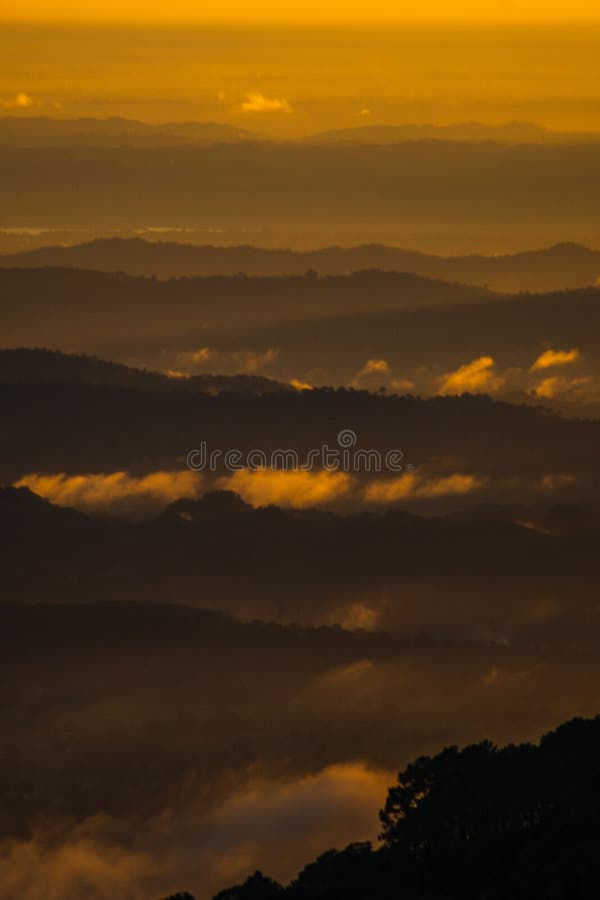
(180, 895)
(25, 365)
(53, 426)
(235, 301)
(214, 505)
(257, 886)
(517, 822)
(466, 573)
(566, 265)
(52, 629)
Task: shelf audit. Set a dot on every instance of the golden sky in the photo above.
(301, 10)
(289, 81)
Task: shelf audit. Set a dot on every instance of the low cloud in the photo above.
(554, 481)
(19, 101)
(264, 821)
(118, 493)
(127, 496)
(377, 373)
(376, 365)
(485, 374)
(551, 358)
(570, 388)
(414, 486)
(258, 103)
(379, 367)
(288, 822)
(80, 865)
(356, 615)
(210, 360)
(295, 489)
(478, 375)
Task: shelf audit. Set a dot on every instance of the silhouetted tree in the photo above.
(256, 887)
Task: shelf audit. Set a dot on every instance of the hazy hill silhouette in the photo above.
(39, 305)
(440, 337)
(116, 131)
(464, 574)
(318, 330)
(24, 365)
(41, 131)
(561, 266)
(509, 132)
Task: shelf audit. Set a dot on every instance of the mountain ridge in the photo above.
(562, 265)
(36, 129)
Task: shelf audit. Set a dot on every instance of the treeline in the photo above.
(24, 365)
(118, 303)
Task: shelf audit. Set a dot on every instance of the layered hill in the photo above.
(561, 266)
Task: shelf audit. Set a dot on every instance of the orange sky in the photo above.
(302, 10)
(288, 81)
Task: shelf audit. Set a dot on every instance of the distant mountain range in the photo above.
(507, 133)
(565, 265)
(187, 548)
(43, 130)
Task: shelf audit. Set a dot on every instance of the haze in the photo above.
(282, 81)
